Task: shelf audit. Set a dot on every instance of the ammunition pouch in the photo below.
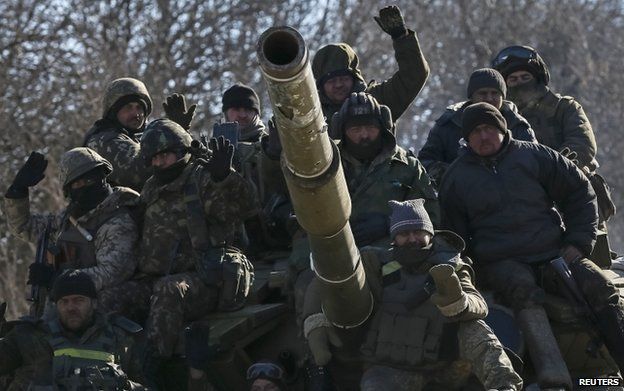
(229, 269)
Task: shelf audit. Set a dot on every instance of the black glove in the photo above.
(40, 274)
(273, 146)
(391, 21)
(370, 227)
(220, 164)
(31, 173)
(198, 350)
(175, 109)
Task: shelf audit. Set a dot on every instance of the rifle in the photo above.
(38, 293)
(560, 266)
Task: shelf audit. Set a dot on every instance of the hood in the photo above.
(335, 59)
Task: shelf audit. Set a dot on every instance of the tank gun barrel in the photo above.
(311, 165)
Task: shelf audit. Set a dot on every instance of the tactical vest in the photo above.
(406, 331)
(88, 365)
(546, 119)
(77, 246)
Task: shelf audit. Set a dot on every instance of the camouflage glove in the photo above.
(40, 274)
(570, 154)
(391, 21)
(198, 350)
(369, 227)
(220, 164)
(449, 297)
(175, 109)
(31, 173)
(320, 336)
(273, 145)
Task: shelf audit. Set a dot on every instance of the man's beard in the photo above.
(523, 94)
(364, 150)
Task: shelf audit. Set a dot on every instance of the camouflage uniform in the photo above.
(464, 342)
(116, 144)
(42, 354)
(167, 278)
(109, 258)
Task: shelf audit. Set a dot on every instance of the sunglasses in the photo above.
(514, 52)
(265, 369)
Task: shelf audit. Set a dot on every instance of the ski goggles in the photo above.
(265, 369)
(521, 52)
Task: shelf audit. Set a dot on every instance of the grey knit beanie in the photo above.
(409, 215)
(486, 78)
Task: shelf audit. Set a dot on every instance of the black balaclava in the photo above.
(364, 151)
(523, 94)
(88, 197)
(169, 174)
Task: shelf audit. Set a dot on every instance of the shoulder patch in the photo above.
(126, 324)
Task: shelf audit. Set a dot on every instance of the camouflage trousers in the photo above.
(480, 352)
(166, 303)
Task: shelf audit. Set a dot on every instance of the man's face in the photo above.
(338, 88)
(362, 134)
(164, 159)
(489, 95)
(131, 115)
(518, 77)
(263, 385)
(75, 311)
(485, 140)
(413, 236)
(242, 115)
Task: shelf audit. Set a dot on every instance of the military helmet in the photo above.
(78, 161)
(517, 58)
(163, 135)
(361, 105)
(125, 86)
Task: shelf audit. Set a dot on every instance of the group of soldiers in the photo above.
(161, 230)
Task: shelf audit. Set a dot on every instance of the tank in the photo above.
(267, 327)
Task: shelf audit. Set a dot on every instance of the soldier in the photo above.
(337, 75)
(96, 232)
(499, 197)
(444, 140)
(412, 339)
(81, 349)
(126, 104)
(559, 122)
(187, 263)
(241, 104)
(376, 168)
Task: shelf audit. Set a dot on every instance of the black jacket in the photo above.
(504, 206)
(442, 143)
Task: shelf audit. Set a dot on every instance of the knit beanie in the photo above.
(486, 78)
(409, 215)
(240, 95)
(479, 114)
(73, 282)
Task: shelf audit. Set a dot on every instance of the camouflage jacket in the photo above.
(559, 122)
(166, 246)
(122, 150)
(397, 92)
(114, 241)
(395, 174)
(26, 351)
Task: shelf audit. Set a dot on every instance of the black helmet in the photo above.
(360, 104)
(517, 58)
(163, 135)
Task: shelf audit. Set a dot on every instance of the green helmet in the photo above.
(125, 86)
(163, 135)
(78, 161)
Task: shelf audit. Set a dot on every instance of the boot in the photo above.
(549, 366)
(611, 326)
